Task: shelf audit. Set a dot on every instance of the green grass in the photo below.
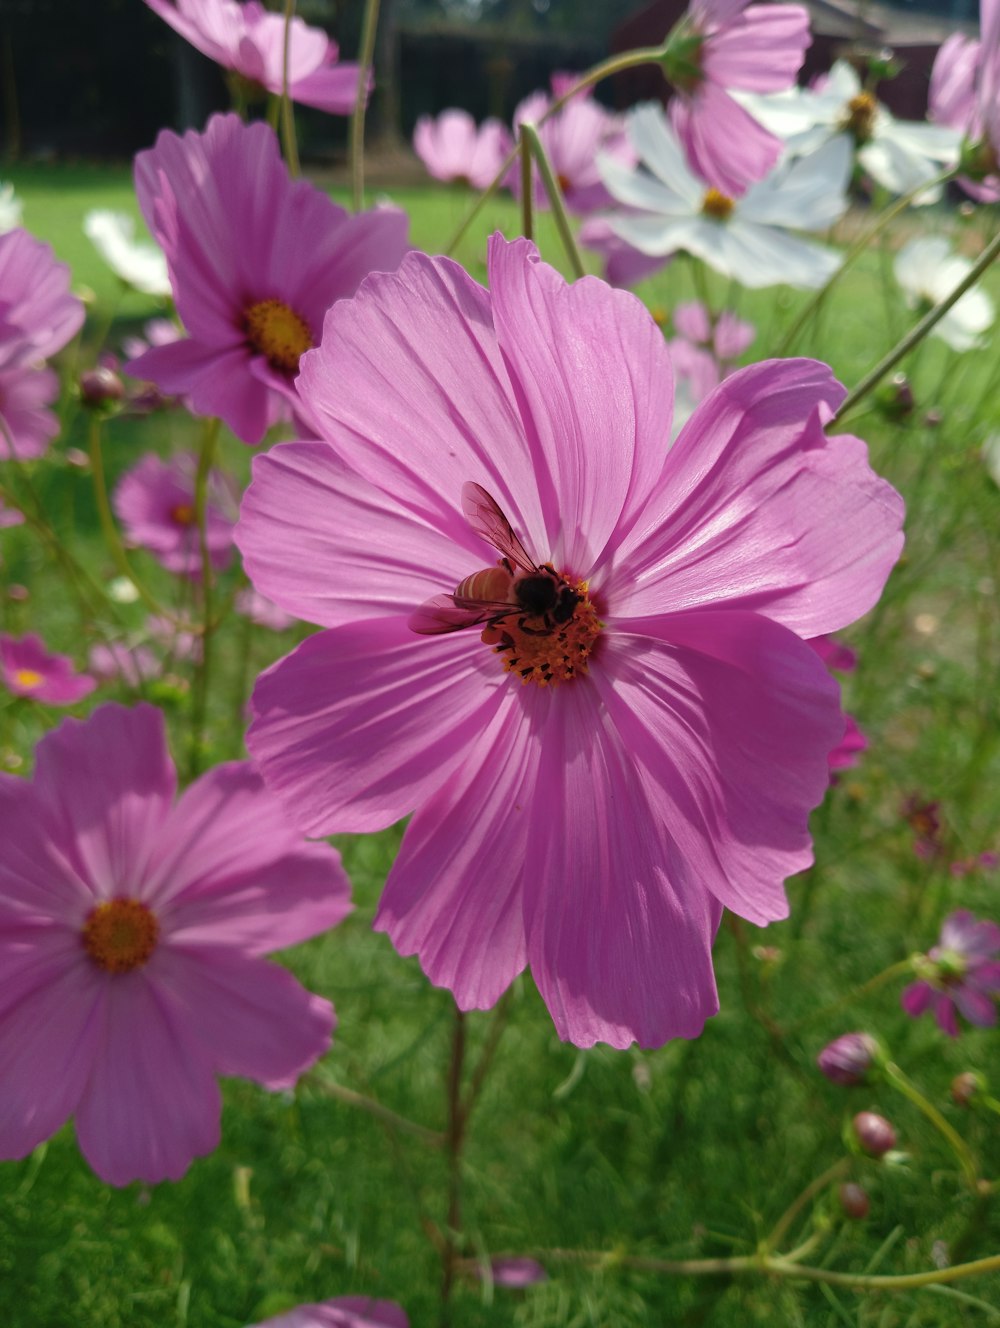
(691, 1151)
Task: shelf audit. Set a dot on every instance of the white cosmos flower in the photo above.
(928, 272)
(10, 208)
(139, 263)
(747, 238)
(899, 154)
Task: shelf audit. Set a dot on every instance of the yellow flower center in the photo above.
(182, 514)
(28, 678)
(278, 333)
(717, 204)
(859, 116)
(549, 647)
(120, 935)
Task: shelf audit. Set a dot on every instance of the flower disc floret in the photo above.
(859, 117)
(541, 651)
(120, 935)
(717, 204)
(29, 678)
(278, 333)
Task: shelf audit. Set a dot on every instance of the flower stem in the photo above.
(454, 1141)
(644, 55)
(366, 57)
(381, 1113)
(203, 666)
(917, 334)
(287, 113)
(856, 994)
(530, 134)
(527, 220)
(963, 1154)
(816, 1186)
(854, 252)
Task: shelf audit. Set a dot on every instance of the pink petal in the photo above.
(975, 1005)
(328, 547)
(453, 896)
(723, 143)
(152, 1104)
(619, 927)
(363, 723)
(250, 1017)
(731, 717)
(594, 388)
(430, 407)
(944, 1013)
(49, 1039)
(333, 89)
(916, 998)
(37, 884)
(761, 51)
(107, 784)
(759, 509)
(232, 869)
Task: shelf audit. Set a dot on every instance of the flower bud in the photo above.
(853, 1200)
(964, 1088)
(847, 1059)
(874, 1133)
(100, 387)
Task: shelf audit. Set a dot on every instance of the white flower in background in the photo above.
(900, 155)
(928, 272)
(10, 208)
(746, 239)
(139, 263)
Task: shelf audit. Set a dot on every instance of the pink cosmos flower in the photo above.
(727, 337)
(700, 353)
(342, 1312)
(250, 40)
(37, 318)
(718, 45)
(262, 611)
(636, 737)
(132, 932)
(27, 669)
(155, 502)
(255, 261)
(572, 139)
(958, 975)
(117, 662)
(453, 149)
(965, 94)
(623, 264)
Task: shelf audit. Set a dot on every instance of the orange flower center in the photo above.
(28, 678)
(182, 514)
(859, 116)
(717, 204)
(120, 935)
(278, 333)
(551, 646)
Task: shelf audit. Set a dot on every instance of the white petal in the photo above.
(808, 193)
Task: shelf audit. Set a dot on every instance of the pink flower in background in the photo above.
(623, 264)
(38, 316)
(593, 780)
(262, 611)
(117, 662)
(721, 45)
(965, 95)
(960, 975)
(255, 261)
(842, 659)
(250, 40)
(132, 931)
(27, 669)
(9, 516)
(700, 352)
(454, 149)
(155, 502)
(727, 337)
(342, 1312)
(155, 332)
(571, 139)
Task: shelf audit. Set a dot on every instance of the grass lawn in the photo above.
(691, 1151)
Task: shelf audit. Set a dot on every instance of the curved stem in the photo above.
(854, 252)
(366, 57)
(644, 55)
(287, 111)
(917, 334)
(381, 1113)
(855, 994)
(780, 1228)
(963, 1154)
(530, 134)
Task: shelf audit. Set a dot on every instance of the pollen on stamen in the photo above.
(182, 514)
(278, 333)
(859, 116)
(28, 678)
(120, 935)
(547, 657)
(717, 204)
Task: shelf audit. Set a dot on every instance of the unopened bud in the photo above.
(964, 1088)
(853, 1200)
(100, 386)
(847, 1059)
(874, 1133)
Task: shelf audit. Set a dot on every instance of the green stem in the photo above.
(780, 1228)
(381, 1113)
(203, 667)
(917, 334)
(287, 111)
(963, 1154)
(527, 188)
(455, 1139)
(366, 57)
(109, 530)
(853, 254)
(645, 55)
(559, 213)
(856, 994)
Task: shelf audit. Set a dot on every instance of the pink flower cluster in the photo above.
(965, 94)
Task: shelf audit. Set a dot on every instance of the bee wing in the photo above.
(486, 519)
(443, 613)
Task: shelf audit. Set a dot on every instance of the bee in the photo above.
(537, 595)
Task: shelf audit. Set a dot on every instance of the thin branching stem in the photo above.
(455, 1140)
(366, 58)
(199, 705)
(529, 132)
(288, 140)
